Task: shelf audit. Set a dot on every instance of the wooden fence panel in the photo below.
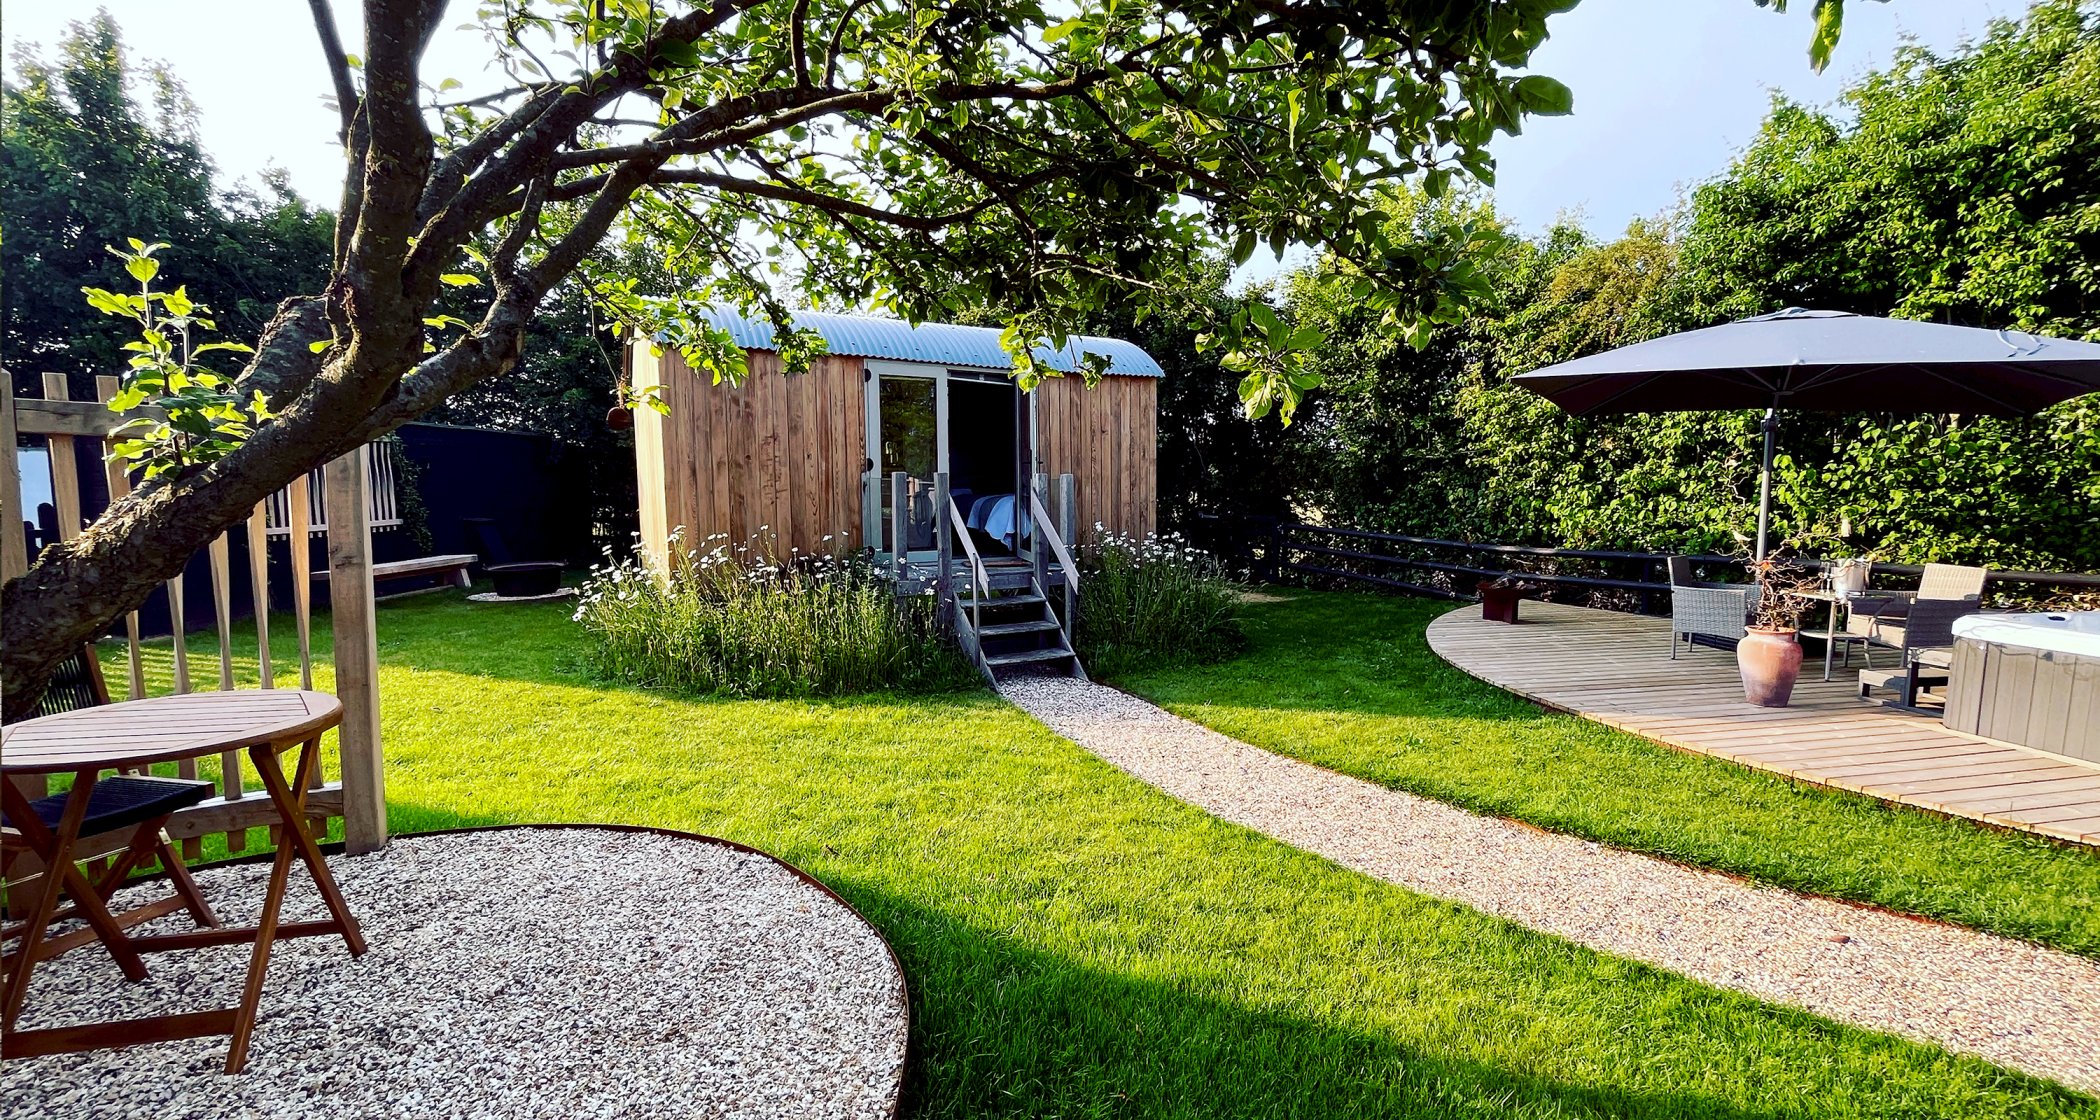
(63, 423)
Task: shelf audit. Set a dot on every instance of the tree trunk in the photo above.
(78, 588)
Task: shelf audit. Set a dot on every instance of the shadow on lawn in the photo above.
(1003, 1030)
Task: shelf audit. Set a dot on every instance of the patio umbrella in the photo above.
(1824, 361)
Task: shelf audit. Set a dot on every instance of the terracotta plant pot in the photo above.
(1770, 661)
(619, 418)
(1499, 604)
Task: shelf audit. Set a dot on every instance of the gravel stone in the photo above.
(2028, 1008)
(559, 974)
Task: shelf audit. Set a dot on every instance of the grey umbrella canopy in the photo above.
(1824, 361)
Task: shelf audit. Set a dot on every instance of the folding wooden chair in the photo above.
(140, 803)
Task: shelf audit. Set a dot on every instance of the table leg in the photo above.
(290, 800)
(294, 804)
(1830, 631)
(259, 958)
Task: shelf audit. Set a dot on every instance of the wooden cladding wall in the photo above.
(778, 457)
(1108, 437)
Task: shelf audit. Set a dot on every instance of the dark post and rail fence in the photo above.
(1272, 549)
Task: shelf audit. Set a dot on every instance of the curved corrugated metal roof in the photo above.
(941, 344)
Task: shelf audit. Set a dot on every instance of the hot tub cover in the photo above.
(2073, 632)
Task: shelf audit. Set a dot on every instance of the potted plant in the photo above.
(1769, 656)
(1499, 598)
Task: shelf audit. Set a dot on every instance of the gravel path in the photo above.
(569, 974)
(2031, 1009)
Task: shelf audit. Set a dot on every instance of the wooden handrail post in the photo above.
(1039, 550)
(346, 483)
(1068, 509)
(943, 550)
(900, 541)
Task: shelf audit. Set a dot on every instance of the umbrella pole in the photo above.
(1764, 483)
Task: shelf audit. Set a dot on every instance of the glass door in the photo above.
(907, 438)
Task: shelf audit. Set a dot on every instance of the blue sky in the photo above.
(1666, 91)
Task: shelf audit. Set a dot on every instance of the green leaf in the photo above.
(1058, 31)
(461, 279)
(1830, 25)
(1545, 97)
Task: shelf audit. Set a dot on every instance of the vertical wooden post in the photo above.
(14, 548)
(900, 540)
(297, 503)
(1068, 510)
(345, 495)
(119, 480)
(65, 466)
(14, 560)
(1039, 547)
(943, 550)
(259, 589)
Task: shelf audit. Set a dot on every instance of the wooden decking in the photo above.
(1616, 669)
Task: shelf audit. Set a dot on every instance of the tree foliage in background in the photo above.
(1058, 160)
(1961, 188)
(96, 149)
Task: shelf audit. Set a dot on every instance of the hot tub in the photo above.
(2029, 679)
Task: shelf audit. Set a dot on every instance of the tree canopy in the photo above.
(95, 149)
(1959, 188)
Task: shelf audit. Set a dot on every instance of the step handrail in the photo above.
(978, 575)
(1057, 549)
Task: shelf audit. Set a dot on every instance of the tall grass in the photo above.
(731, 622)
(1153, 601)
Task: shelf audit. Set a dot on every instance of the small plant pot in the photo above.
(619, 418)
(1770, 661)
(1499, 604)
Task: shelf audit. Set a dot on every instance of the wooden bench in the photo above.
(452, 565)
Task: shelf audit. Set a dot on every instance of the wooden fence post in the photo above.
(345, 485)
(14, 548)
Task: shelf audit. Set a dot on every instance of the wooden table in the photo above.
(1839, 601)
(137, 734)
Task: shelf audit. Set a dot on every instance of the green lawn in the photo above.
(1079, 945)
(1346, 680)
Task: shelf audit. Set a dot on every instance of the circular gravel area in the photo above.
(2022, 1006)
(566, 973)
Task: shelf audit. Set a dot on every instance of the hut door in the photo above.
(905, 435)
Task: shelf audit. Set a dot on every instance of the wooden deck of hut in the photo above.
(1615, 668)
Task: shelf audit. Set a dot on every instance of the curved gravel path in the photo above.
(2022, 1006)
(569, 973)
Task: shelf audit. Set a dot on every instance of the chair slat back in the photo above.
(1681, 571)
(1952, 581)
(77, 684)
(1930, 624)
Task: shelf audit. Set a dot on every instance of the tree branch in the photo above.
(338, 65)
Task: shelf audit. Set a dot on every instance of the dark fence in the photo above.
(530, 485)
(1272, 550)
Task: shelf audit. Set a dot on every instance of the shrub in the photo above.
(727, 622)
(1152, 601)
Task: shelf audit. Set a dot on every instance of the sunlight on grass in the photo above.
(1346, 680)
(1078, 944)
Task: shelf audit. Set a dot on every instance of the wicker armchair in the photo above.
(1880, 619)
(1924, 644)
(1700, 609)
